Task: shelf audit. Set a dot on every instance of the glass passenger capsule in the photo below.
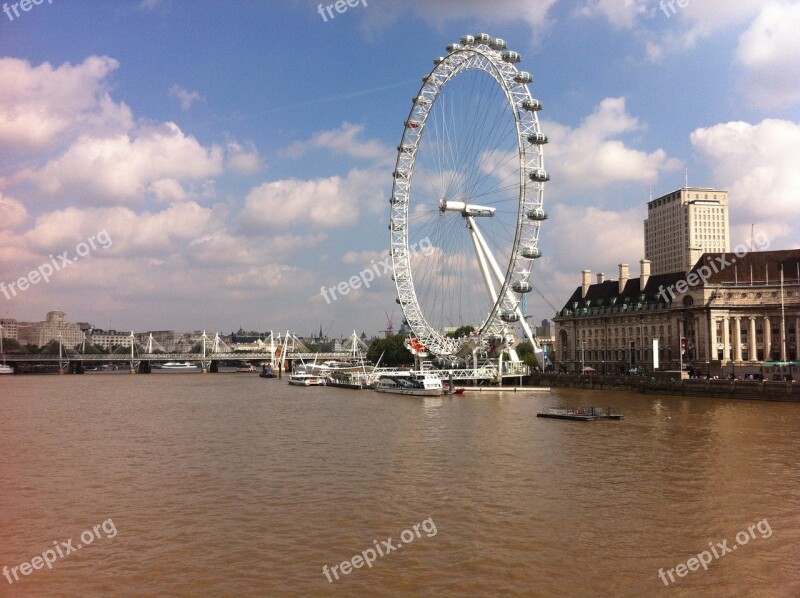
(531, 253)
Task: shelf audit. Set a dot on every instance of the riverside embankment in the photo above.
(701, 387)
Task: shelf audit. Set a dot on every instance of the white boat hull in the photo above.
(304, 380)
(410, 383)
(416, 392)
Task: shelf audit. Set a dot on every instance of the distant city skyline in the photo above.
(240, 154)
(56, 323)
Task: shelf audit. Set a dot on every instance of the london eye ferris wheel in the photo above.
(468, 185)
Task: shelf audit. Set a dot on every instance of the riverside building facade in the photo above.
(733, 310)
(55, 326)
(9, 328)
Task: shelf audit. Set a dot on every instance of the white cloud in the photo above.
(187, 98)
(757, 165)
(589, 157)
(149, 233)
(242, 160)
(320, 203)
(621, 14)
(39, 105)
(137, 257)
(363, 257)
(654, 51)
(168, 190)
(770, 55)
(441, 12)
(126, 167)
(698, 20)
(345, 141)
(268, 276)
(12, 212)
(171, 256)
(223, 247)
(589, 237)
(706, 18)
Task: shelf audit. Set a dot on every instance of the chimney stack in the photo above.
(645, 264)
(623, 277)
(601, 278)
(586, 282)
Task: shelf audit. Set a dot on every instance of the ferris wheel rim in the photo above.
(484, 54)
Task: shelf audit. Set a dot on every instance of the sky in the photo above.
(194, 165)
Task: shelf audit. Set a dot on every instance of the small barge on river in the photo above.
(583, 414)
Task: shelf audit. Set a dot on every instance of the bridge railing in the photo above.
(481, 373)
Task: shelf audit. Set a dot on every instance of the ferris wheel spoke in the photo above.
(479, 171)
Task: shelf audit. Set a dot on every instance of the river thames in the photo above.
(181, 484)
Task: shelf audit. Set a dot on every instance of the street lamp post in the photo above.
(583, 349)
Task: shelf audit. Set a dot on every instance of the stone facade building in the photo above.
(10, 328)
(55, 325)
(731, 309)
(108, 339)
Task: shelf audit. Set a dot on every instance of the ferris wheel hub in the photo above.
(466, 209)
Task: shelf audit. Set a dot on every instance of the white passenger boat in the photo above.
(4, 369)
(419, 384)
(327, 368)
(303, 379)
(179, 365)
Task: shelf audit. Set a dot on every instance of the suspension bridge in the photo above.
(279, 353)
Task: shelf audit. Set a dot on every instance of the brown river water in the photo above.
(182, 484)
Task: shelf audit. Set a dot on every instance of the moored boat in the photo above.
(418, 384)
(352, 380)
(584, 414)
(331, 366)
(303, 379)
(450, 389)
(179, 365)
(4, 369)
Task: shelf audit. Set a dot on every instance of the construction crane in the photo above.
(389, 324)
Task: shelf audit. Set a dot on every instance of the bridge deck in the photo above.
(486, 372)
(259, 356)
